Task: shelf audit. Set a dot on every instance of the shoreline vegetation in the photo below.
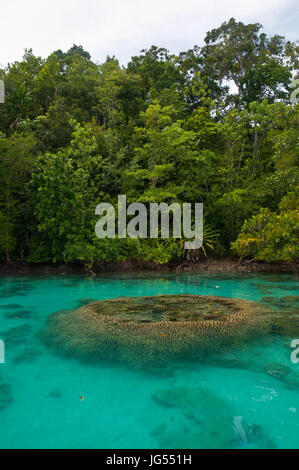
(217, 124)
(212, 265)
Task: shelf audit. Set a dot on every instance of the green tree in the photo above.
(254, 62)
(271, 236)
(16, 165)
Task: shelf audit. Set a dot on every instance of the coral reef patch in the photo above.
(26, 355)
(151, 331)
(16, 335)
(6, 398)
(203, 420)
(284, 314)
(18, 314)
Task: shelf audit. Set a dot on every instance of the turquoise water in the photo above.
(229, 400)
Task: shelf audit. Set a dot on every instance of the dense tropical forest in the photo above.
(214, 124)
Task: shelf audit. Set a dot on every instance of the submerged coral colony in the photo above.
(151, 331)
(154, 331)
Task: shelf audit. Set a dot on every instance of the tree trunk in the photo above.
(8, 259)
(192, 255)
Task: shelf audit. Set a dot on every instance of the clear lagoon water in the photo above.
(232, 395)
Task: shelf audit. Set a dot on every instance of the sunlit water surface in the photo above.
(41, 393)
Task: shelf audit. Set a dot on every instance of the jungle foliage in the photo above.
(213, 124)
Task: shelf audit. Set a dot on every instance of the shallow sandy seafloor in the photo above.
(243, 397)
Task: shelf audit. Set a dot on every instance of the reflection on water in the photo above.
(245, 396)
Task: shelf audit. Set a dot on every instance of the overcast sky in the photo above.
(123, 27)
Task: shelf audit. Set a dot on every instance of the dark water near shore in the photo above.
(246, 397)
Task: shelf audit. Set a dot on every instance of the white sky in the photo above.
(123, 27)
